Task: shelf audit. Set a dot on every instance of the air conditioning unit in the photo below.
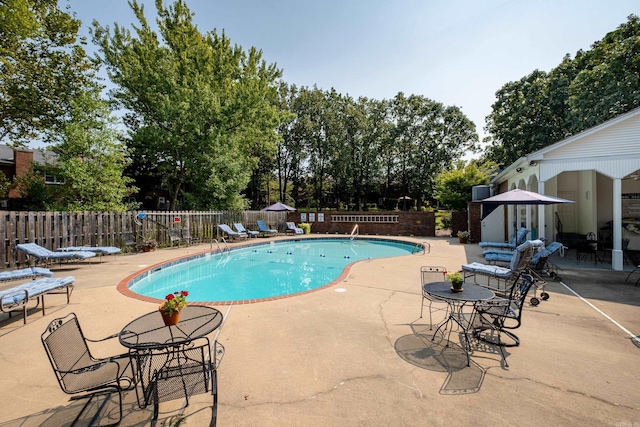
(480, 192)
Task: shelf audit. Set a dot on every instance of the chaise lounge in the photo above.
(263, 229)
(43, 255)
(229, 232)
(16, 298)
(240, 229)
(25, 273)
(518, 239)
(291, 228)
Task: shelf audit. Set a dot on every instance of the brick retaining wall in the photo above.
(393, 223)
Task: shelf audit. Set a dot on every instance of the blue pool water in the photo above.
(264, 270)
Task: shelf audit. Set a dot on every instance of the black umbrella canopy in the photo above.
(517, 197)
(279, 207)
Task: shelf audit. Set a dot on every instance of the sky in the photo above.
(457, 52)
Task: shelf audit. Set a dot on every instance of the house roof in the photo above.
(611, 148)
(40, 155)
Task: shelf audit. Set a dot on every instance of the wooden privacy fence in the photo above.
(61, 229)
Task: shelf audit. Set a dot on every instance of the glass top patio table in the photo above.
(150, 332)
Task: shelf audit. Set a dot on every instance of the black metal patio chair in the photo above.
(78, 372)
(512, 318)
(176, 372)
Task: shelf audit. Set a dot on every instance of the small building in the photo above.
(598, 169)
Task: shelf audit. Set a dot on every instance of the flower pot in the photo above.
(169, 320)
(456, 286)
(462, 239)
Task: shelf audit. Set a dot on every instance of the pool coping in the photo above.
(124, 284)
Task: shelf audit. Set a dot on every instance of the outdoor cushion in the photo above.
(21, 293)
(24, 273)
(102, 250)
(44, 254)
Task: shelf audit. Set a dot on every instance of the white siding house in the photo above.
(599, 169)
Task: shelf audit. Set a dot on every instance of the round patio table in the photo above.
(149, 331)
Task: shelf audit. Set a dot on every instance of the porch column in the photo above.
(528, 215)
(616, 253)
(541, 219)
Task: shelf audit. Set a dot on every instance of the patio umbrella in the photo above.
(279, 207)
(517, 197)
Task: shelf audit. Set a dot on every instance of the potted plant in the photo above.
(306, 227)
(456, 281)
(464, 236)
(171, 307)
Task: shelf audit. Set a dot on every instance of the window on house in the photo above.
(50, 178)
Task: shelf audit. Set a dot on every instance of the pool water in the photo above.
(264, 270)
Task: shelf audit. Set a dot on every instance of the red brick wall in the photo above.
(23, 160)
(475, 224)
(459, 222)
(409, 224)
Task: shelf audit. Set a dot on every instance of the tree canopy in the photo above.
(543, 108)
(200, 111)
(43, 68)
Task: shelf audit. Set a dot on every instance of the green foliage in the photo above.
(202, 112)
(43, 68)
(543, 108)
(443, 220)
(36, 195)
(5, 185)
(306, 227)
(453, 187)
(89, 164)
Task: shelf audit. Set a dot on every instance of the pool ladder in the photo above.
(220, 249)
(424, 245)
(355, 232)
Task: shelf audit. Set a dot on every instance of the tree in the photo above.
(608, 81)
(521, 120)
(200, 111)
(429, 136)
(453, 186)
(543, 108)
(89, 163)
(43, 68)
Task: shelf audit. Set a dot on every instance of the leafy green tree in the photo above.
(92, 158)
(429, 136)
(453, 186)
(5, 185)
(89, 164)
(521, 120)
(608, 83)
(43, 68)
(201, 112)
(543, 108)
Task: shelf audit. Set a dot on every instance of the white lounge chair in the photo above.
(229, 232)
(291, 227)
(240, 229)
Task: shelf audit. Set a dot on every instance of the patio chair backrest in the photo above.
(68, 351)
(430, 273)
(517, 298)
(521, 236)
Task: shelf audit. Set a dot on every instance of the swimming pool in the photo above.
(264, 270)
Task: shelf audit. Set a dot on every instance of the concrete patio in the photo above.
(362, 356)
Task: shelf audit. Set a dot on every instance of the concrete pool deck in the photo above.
(362, 356)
